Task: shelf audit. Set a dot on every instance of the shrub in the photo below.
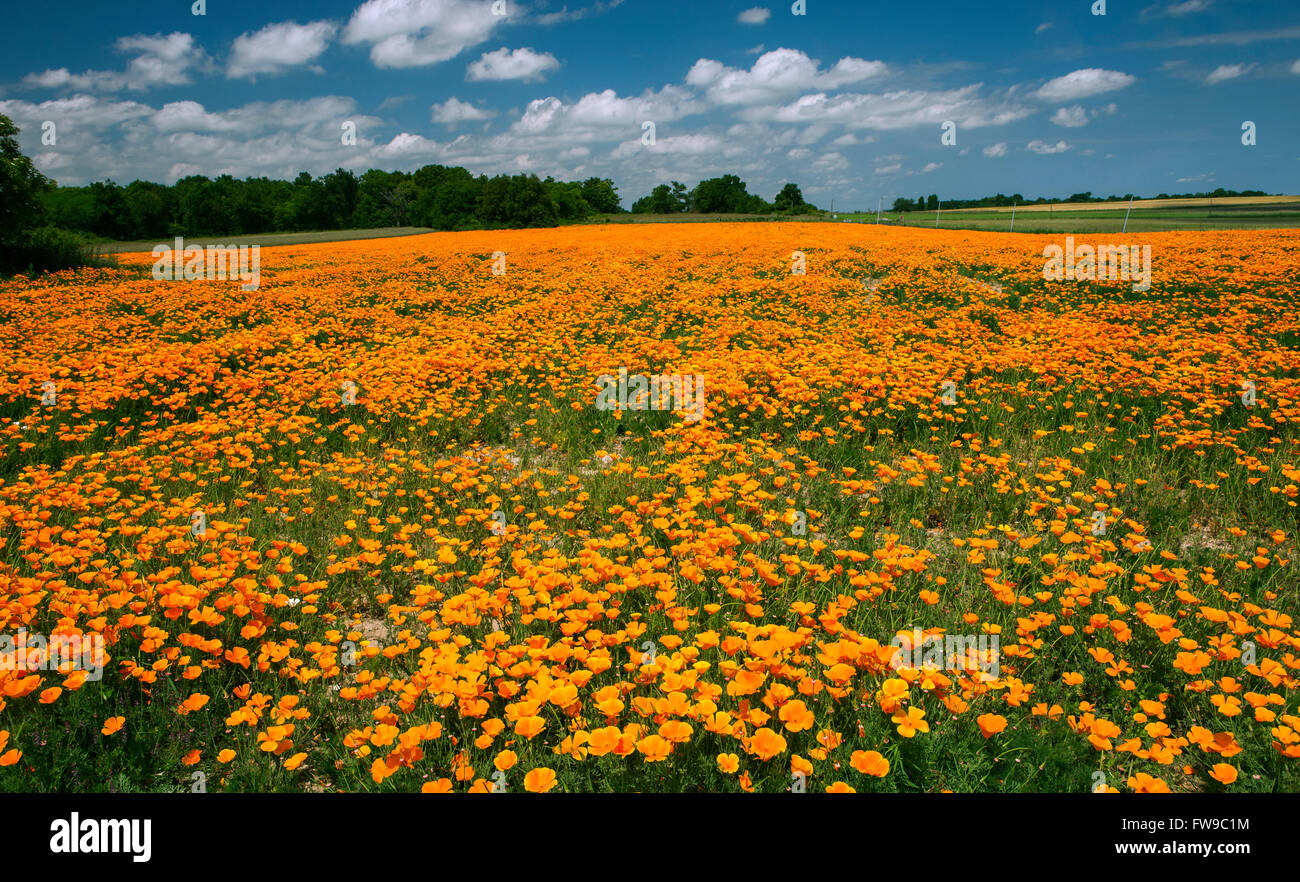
(46, 249)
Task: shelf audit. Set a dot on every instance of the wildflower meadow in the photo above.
(674, 508)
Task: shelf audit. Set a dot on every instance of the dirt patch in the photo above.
(1203, 536)
(987, 286)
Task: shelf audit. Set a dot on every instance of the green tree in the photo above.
(789, 199)
(726, 194)
(601, 195)
(21, 185)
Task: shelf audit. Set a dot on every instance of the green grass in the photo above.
(265, 240)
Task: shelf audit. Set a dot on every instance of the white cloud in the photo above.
(452, 111)
(830, 162)
(886, 170)
(564, 14)
(407, 145)
(1227, 72)
(898, 110)
(190, 116)
(1071, 117)
(412, 33)
(1084, 82)
(1231, 38)
(702, 144)
(77, 112)
(599, 116)
(1045, 26)
(931, 166)
(279, 46)
(850, 139)
(756, 15)
(1177, 10)
(1295, 68)
(159, 60)
(775, 76)
(124, 140)
(512, 64)
(1043, 148)
(999, 149)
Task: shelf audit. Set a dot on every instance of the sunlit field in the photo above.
(366, 529)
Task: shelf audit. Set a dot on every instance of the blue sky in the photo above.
(848, 100)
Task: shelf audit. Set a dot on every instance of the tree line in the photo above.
(435, 196)
(724, 195)
(932, 202)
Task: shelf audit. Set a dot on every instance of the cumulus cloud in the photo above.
(776, 75)
(159, 60)
(830, 162)
(1071, 117)
(1084, 82)
(900, 109)
(413, 33)
(702, 144)
(406, 145)
(603, 115)
(1043, 148)
(508, 64)
(756, 15)
(1227, 72)
(999, 149)
(102, 138)
(277, 47)
(1295, 68)
(452, 111)
(78, 112)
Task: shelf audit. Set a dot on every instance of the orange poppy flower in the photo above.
(539, 780)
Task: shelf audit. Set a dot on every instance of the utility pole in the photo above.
(936, 214)
(1130, 208)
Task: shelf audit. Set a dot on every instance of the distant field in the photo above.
(266, 239)
(1147, 216)
(1150, 203)
(693, 218)
(1151, 220)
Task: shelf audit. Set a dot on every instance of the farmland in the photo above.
(364, 528)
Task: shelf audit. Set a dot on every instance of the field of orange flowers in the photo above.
(470, 578)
